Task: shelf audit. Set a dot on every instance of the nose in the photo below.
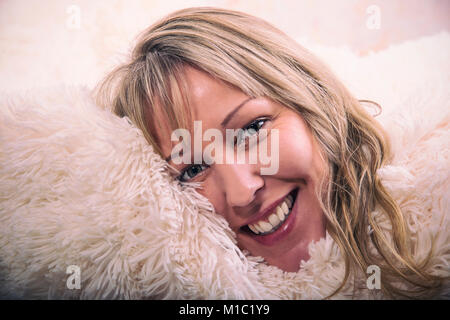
(240, 183)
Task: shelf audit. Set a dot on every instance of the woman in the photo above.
(229, 71)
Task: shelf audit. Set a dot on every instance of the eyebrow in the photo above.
(225, 120)
(232, 113)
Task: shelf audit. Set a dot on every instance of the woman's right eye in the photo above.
(191, 172)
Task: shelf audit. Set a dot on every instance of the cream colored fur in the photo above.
(80, 186)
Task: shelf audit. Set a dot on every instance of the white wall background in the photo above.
(76, 41)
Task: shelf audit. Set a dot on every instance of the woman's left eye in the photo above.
(251, 129)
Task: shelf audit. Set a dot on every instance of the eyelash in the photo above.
(204, 166)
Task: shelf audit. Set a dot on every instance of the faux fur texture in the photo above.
(80, 186)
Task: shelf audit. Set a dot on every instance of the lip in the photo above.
(284, 229)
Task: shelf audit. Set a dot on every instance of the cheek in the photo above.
(296, 156)
(214, 194)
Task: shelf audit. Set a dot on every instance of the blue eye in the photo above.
(255, 126)
(191, 172)
(251, 129)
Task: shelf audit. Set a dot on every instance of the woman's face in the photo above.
(274, 216)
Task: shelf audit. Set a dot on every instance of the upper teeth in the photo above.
(275, 219)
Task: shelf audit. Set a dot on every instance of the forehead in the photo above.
(210, 100)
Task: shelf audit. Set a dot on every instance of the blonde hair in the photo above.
(260, 60)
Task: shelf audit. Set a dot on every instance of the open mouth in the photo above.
(275, 220)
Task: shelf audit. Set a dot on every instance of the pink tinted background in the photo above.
(38, 46)
(341, 22)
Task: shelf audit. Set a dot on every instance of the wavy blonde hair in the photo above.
(260, 60)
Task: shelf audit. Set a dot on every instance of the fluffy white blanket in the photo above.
(80, 186)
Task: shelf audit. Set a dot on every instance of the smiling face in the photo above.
(274, 216)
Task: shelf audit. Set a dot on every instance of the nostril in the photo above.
(240, 184)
